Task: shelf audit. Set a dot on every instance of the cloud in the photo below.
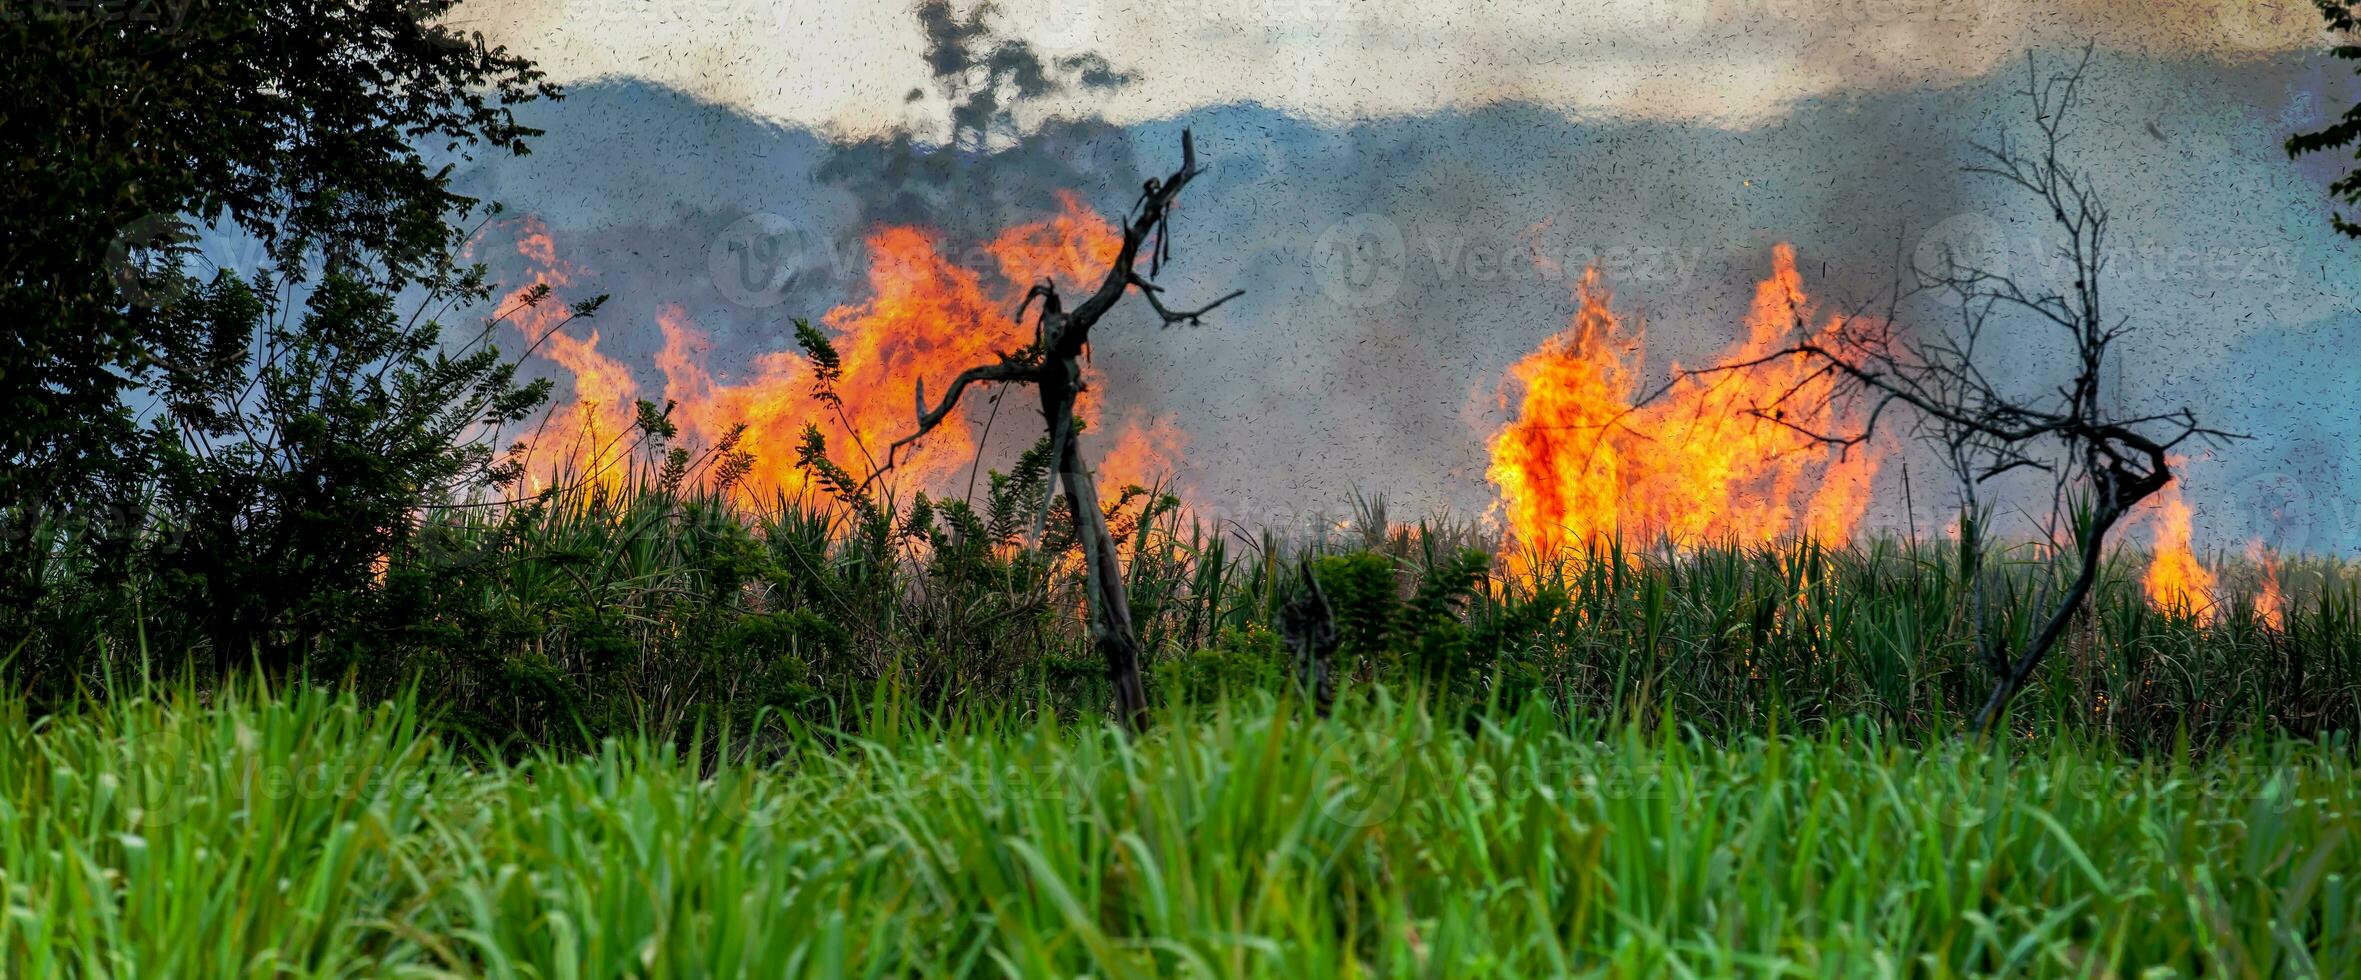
(846, 65)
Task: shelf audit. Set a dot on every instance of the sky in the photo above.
(1672, 143)
(847, 65)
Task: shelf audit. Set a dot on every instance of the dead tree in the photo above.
(2101, 464)
(1052, 364)
(1308, 624)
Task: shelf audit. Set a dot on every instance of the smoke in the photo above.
(1395, 266)
(986, 170)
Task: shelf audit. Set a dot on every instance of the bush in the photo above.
(1240, 661)
(298, 460)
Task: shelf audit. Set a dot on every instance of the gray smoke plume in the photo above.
(1395, 267)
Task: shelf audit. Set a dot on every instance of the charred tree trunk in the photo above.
(1102, 570)
(1308, 623)
(2121, 486)
(1989, 431)
(1053, 365)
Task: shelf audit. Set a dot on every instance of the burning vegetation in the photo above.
(1770, 445)
(925, 317)
(2176, 582)
(1583, 460)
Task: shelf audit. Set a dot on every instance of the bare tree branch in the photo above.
(1171, 316)
(2112, 463)
(1012, 368)
(1052, 364)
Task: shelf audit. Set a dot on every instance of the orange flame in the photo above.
(1580, 463)
(2270, 605)
(926, 317)
(592, 431)
(580, 440)
(1141, 454)
(2176, 583)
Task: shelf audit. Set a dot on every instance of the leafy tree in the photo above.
(298, 461)
(2343, 17)
(985, 75)
(990, 84)
(323, 129)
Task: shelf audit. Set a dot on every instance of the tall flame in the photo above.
(1142, 453)
(2270, 605)
(925, 318)
(2176, 583)
(1581, 463)
(580, 440)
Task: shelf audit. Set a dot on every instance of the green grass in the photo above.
(309, 833)
(656, 608)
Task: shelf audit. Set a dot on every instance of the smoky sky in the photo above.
(1390, 264)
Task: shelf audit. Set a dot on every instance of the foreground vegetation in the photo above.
(654, 608)
(306, 832)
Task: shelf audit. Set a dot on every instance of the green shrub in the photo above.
(1240, 661)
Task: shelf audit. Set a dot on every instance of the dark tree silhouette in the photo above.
(1308, 623)
(1053, 365)
(326, 130)
(2102, 464)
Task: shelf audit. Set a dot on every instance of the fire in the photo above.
(1141, 454)
(581, 441)
(2176, 583)
(926, 317)
(2270, 605)
(593, 432)
(1580, 463)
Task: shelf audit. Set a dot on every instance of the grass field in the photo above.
(305, 833)
(1647, 761)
